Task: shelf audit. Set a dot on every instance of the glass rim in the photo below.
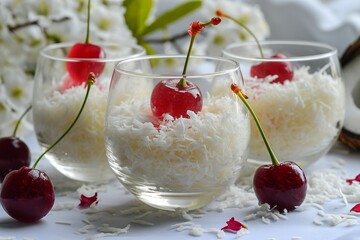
(45, 52)
(331, 51)
(234, 68)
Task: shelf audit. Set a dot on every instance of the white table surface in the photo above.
(114, 201)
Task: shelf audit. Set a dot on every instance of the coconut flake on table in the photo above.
(300, 117)
(198, 152)
(323, 186)
(108, 231)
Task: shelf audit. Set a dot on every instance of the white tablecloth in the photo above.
(115, 209)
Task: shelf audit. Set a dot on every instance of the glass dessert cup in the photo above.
(57, 100)
(176, 163)
(303, 116)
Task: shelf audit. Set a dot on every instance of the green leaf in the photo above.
(149, 49)
(172, 15)
(136, 14)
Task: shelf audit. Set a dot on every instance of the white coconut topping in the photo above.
(204, 151)
(83, 147)
(63, 222)
(142, 222)
(301, 117)
(108, 231)
(86, 228)
(63, 206)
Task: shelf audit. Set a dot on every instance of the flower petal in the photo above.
(86, 202)
(233, 225)
(356, 208)
(351, 180)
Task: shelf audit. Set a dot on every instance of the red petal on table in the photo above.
(233, 225)
(356, 208)
(85, 202)
(351, 180)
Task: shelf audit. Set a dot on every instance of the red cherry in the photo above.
(14, 154)
(27, 194)
(283, 70)
(79, 70)
(281, 186)
(169, 97)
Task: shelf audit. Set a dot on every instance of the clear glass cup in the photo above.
(57, 100)
(176, 163)
(302, 117)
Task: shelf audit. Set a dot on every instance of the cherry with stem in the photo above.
(27, 194)
(282, 185)
(14, 153)
(283, 70)
(177, 96)
(79, 68)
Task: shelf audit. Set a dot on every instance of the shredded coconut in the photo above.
(63, 206)
(196, 153)
(83, 148)
(197, 230)
(63, 222)
(335, 219)
(142, 222)
(301, 117)
(86, 228)
(107, 231)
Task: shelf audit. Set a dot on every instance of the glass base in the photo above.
(167, 198)
(94, 169)
(83, 173)
(172, 201)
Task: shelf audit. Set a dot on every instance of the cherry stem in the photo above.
(87, 39)
(194, 30)
(235, 88)
(19, 121)
(90, 82)
(221, 14)
(182, 81)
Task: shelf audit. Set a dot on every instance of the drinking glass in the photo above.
(57, 100)
(176, 162)
(297, 93)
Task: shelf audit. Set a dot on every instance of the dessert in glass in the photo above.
(176, 160)
(297, 93)
(57, 98)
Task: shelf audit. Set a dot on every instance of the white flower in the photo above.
(170, 65)
(108, 23)
(229, 31)
(26, 26)
(9, 117)
(18, 87)
(219, 37)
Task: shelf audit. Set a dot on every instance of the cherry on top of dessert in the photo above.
(282, 69)
(177, 96)
(79, 68)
